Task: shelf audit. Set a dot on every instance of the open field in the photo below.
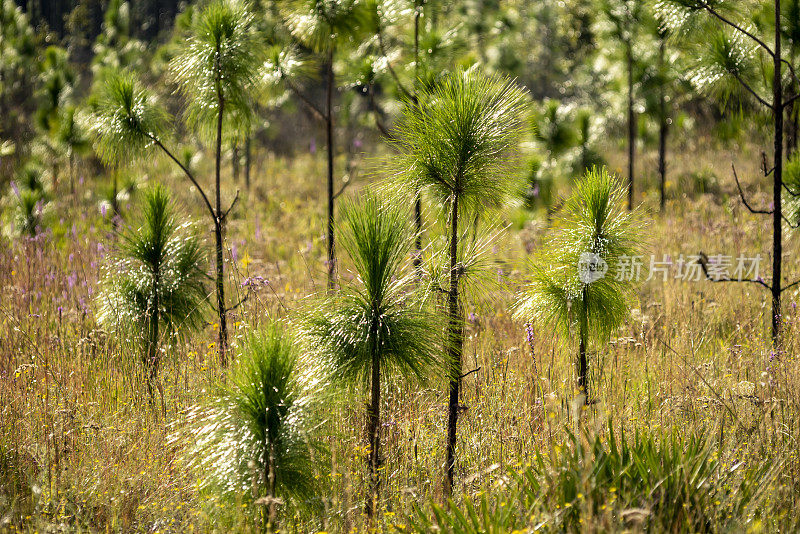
(83, 447)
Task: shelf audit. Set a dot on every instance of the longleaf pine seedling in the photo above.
(456, 142)
(577, 281)
(376, 328)
(155, 287)
(215, 71)
(255, 440)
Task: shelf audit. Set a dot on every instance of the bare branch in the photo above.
(790, 286)
(790, 100)
(242, 301)
(469, 373)
(381, 128)
(188, 174)
(406, 92)
(378, 112)
(789, 190)
(744, 200)
(764, 169)
(307, 101)
(751, 91)
(790, 223)
(704, 266)
(791, 68)
(344, 186)
(225, 215)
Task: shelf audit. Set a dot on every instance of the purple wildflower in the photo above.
(529, 337)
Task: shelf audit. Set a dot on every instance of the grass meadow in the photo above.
(84, 447)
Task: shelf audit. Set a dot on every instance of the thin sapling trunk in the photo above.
(329, 134)
(777, 184)
(663, 128)
(455, 346)
(247, 163)
(631, 124)
(71, 172)
(235, 162)
(218, 230)
(418, 199)
(583, 347)
(373, 432)
(152, 348)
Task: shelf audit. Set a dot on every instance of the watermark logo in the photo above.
(591, 267)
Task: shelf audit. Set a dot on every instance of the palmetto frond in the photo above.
(596, 223)
(257, 433)
(160, 261)
(459, 138)
(379, 313)
(219, 61)
(124, 118)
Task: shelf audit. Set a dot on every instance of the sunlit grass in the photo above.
(82, 447)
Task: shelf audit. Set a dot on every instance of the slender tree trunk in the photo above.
(271, 508)
(662, 129)
(329, 133)
(114, 201)
(455, 346)
(218, 234)
(235, 162)
(418, 199)
(791, 142)
(777, 184)
(247, 163)
(583, 365)
(152, 352)
(71, 173)
(585, 154)
(631, 125)
(374, 434)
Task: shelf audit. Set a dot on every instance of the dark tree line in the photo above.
(148, 17)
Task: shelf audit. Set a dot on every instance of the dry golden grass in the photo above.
(83, 448)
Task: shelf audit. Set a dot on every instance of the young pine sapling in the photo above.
(216, 72)
(579, 281)
(376, 328)
(154, 287)
(456, 142)
(255, 440)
